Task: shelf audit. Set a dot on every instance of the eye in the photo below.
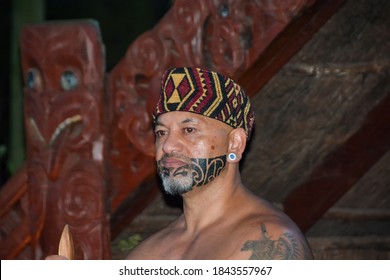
(33, 79)
(69, 80)
(188, 130)
(159, 133)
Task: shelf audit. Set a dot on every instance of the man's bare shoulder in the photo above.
(276, 242)
(273, 235)
(259, 231)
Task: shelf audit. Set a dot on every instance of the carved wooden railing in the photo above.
(74, 154)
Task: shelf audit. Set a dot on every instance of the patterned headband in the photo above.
(206, 93)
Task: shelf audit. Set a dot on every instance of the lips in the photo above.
(170, 162)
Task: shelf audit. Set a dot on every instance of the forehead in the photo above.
(179, 117)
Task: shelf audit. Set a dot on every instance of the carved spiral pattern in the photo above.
(187, 18)
(284, 10)
(81, 196)
(148, 54)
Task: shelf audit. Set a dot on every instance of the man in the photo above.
(203, 121)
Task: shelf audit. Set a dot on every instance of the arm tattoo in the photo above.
(284, 248)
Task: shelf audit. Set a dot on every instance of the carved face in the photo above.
(63, 68)
(190, 150)
(63, 73)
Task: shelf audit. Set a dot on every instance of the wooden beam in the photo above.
(350, 247)
(287, 43)
(341, 169)
(356, 214)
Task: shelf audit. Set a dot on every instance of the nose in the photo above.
(172, 143)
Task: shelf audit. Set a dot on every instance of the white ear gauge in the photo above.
(232, 156)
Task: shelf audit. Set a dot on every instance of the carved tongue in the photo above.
(68, 129)
(71, 123)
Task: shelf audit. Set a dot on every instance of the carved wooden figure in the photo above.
(63, 67)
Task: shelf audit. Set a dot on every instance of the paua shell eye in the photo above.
(223, 10)
(69, 80)
(33, 79)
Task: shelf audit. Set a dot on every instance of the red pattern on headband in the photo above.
(207, 93)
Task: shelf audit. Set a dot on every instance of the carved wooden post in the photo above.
(63, 67)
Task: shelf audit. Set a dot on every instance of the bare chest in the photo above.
(201, 247)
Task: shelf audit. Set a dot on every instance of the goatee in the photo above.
(196, 172)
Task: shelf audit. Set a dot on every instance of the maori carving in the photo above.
(284, 10)
(64, 71)
(224, 35)
(68, 141)
(14, 218)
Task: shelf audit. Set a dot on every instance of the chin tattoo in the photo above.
(202, 170)
(205, 170)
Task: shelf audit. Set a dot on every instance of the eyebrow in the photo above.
(186, 120)
(189, 120)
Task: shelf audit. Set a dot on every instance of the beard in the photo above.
(196, 172)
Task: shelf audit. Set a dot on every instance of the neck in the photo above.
(208, 204)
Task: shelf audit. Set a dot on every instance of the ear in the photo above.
(237, 144)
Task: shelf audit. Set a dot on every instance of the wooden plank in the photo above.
(356, 214)
(350, 248)
(288, 43)
(341, 169)
(359, 242)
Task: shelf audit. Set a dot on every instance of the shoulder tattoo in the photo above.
(285, 247)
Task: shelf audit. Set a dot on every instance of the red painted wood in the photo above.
(63, 67)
